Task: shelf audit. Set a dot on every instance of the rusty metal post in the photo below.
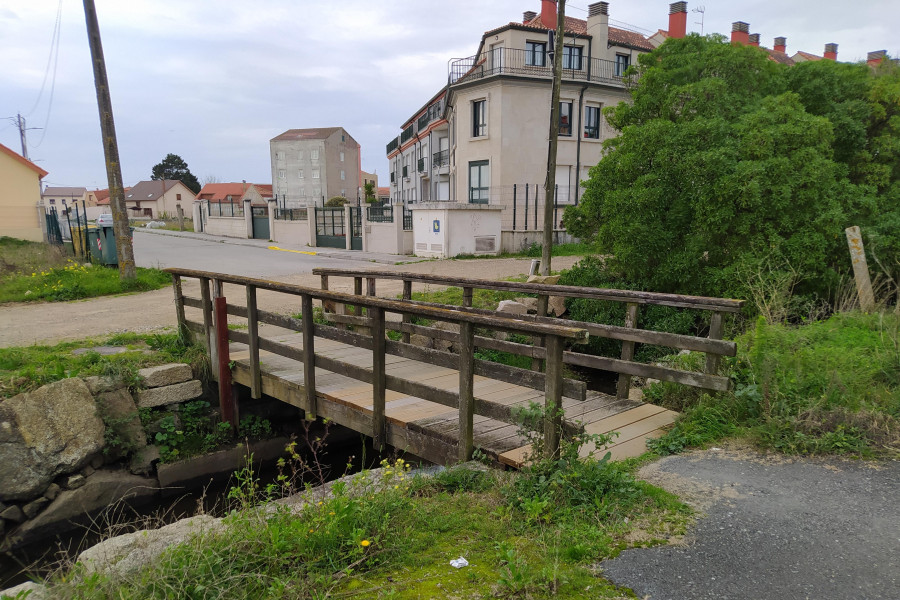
(227, 400)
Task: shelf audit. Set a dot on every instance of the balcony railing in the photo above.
(407, 219)
(421, 165)
(431, 113)
(513, 61)
(405, 171)
(393, 145)
(440, 159)
(393, 177)
(407, 134)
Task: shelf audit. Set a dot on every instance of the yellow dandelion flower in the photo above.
(364, 543)
(310, 530)
(331, 514)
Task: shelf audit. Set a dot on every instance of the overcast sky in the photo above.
(214, 80)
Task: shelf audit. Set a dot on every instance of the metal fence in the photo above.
(523, 204)
(380, 214)
(407, 219)
(226, 209)
(516, 61)
(292, 214)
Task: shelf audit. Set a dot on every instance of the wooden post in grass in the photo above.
(860, 269)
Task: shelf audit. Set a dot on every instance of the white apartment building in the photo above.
(484, 137)
(312, 165)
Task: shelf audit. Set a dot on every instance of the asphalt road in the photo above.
(250, 258)
(773, 528)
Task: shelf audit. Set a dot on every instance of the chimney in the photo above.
(598, 22)
(831, 51)
(740, 33)
(780, 44)
(528, 15)
(876, 57)
(678, 20)
(548, 13)
(753, 39)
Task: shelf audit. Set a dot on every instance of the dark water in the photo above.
(346, 452)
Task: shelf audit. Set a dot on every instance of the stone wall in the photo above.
(63, 449)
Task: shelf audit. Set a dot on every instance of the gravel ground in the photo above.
(43, 323)
(773, 528)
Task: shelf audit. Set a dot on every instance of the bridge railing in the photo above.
(630, 334)
(216, 335)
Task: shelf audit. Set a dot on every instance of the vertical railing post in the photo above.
(715, 333)
(207, 320)
(623, 387)
(376, 314)
(357, 289)
(253, 333)
(407, 295)
(467, 297)
(309, 356)
(466, 389)
(543, 301)
(553, 385)
(527, 188)
(370, 286)
(227, 400)
(179, 307)
(536, 211)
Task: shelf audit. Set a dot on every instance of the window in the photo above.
(314, 154)
(178, 197)
(52, 200)
(572, 57)
(279, 155)
(344, 193)
(565, 118)
(315, 173)
(479, 182)
(281, 174)
(592, 122)
(299, 154)
(535, 54)
(479, 118)
(300, 172)
(343, 175)
(342, 157)
(622, 62)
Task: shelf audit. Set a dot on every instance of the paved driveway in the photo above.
(773, 528)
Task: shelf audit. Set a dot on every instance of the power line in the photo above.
(54, 44)
(55, 54)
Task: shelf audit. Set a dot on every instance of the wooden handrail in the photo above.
(569, 291)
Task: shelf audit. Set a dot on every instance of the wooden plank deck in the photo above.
(428, 429)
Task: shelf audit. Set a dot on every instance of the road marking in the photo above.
(295, 251)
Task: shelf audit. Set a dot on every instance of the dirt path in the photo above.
(43, 323)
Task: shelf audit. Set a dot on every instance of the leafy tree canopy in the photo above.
(729, 163)
(174, 167)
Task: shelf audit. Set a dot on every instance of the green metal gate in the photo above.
(261, 223)
(330, 228)
(356, 227)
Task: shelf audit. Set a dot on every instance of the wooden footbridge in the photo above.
(437, 403)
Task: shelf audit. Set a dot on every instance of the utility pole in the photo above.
(124, 249)
(20, 121)
(550, 183)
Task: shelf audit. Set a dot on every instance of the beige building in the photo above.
(484, 137)
(309, 165)
(158, 199)
(20, 197)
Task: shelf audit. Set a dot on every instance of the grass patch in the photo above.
(23, 369)
(535, 251)
(828, 387)
(391, 535)
(454, 295)
(31, 272)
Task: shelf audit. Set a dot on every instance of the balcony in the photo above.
(421, 165)
(432, 113)
(440, 159)
(405, 172)
(393, 145)
(516, 62)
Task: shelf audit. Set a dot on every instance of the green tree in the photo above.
(369, 190)
(174, 167)
(728, 162)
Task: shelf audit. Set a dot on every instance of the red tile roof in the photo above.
(616, 35)
(219, 192)
(384, 191)
(808, 56)
(779, 57)
(19, 158)
(103, 196)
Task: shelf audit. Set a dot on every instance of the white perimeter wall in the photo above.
(227, 226)
(291, 232)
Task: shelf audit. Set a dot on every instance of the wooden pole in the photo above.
(227, 404)
(124, 248)
(466, 389)
(860, 269)
(550, 182)
(715, 333)
(179, 306)
(407, 295)
(378, 377)
(253, 332)
(553, 395)
(309, 356)
(623, 386)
